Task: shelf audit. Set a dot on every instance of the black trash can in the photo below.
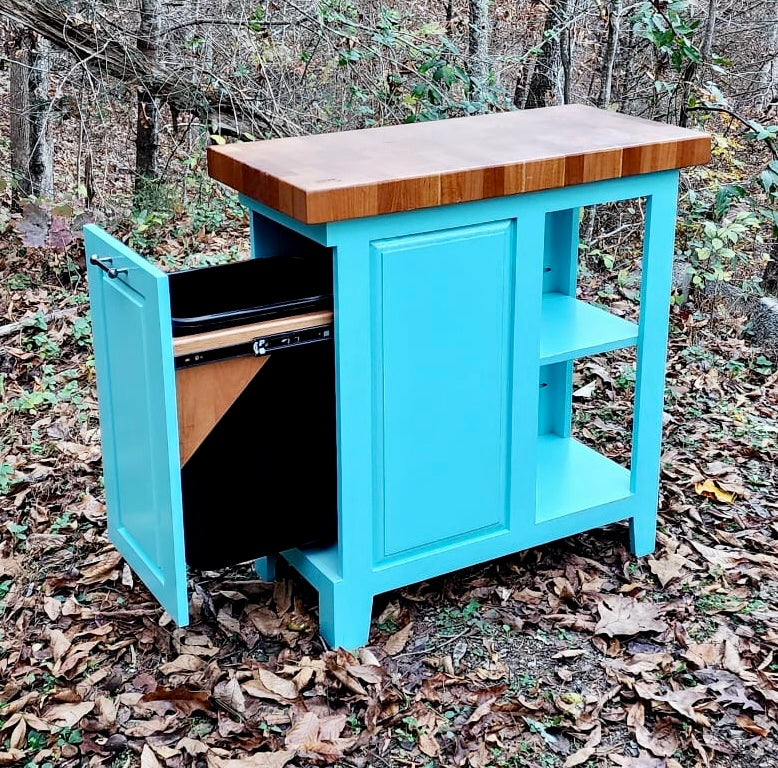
(264, 479)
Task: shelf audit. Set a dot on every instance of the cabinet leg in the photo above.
(642, 535)
(266, 567)
(344, 617)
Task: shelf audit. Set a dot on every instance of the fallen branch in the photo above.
(29, 322)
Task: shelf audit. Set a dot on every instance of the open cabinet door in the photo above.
(136, 386)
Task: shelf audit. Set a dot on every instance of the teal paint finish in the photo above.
(444, 342)
(661, 211)
(456, 328)
(138, 420)
(556, 486)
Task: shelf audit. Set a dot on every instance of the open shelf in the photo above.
(572, 477)
(571, 328)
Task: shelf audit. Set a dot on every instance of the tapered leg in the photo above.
(652, 349)
(344, 616)
(266, 567)
(642, 533)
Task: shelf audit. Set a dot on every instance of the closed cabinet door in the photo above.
(443, 341)
(130, 306)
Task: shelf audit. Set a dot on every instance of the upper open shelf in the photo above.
(571, 328)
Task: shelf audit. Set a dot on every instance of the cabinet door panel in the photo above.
(138, 422)
(446, 314)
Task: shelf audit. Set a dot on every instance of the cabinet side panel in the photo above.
(446, 327)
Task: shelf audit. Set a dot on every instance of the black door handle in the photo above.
(105, 265)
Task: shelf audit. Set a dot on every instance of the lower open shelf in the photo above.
(572, 477)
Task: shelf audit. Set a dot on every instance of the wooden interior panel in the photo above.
(205, 392)
(334, 176)
(228, 337)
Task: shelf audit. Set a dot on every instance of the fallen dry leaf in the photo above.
(148, 759)
(276, 759)
(67, 715)
(428, 745)
(186, 662)
(621, 615)
(747, 724)
(181, 700)
(662, 742)
(710, 489)
(230, 696)
(304, 730)
(398, 640)
(279, 685)
(579, 757)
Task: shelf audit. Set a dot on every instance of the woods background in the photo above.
(107, 100)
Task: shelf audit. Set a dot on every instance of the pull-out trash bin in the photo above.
(263, 479)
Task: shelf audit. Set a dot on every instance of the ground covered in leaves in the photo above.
(571, 654)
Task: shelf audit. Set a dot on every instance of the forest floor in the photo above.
(574, 653)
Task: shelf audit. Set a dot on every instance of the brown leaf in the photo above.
(67, 715)
(191, 746)
(398, 640)
(483, 709)
(102, 570)
(10, 757)
(681, 701)
(304, 730)
(142, 729)
(284, 688)
(52, 607)
(186, 662)
(367, 672)
(428, 745)
(18, 735)
(277, 759)
(179, 699)
(747, 724)
(663, 742)
(582, 755)
(621, 615)
(230, 696)
(265, 620)
(331, 727)
(59, 644)
(148, 759)
(105, 712)
(668, 568)
(643, 760)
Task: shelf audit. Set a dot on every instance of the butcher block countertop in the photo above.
(346, 175)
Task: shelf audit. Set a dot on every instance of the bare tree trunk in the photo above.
(566, 49)
(31, 146)
(609, 55)
(770, 276)
(545, 83)
(478, 50)
(770, 71)
(147, 127)
(694, 71)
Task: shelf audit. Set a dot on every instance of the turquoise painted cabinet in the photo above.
(456, 325)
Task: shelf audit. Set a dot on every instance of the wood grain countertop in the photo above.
(346, 175)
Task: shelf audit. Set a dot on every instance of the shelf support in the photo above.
(560, 270)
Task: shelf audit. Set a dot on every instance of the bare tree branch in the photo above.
(105, 56)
